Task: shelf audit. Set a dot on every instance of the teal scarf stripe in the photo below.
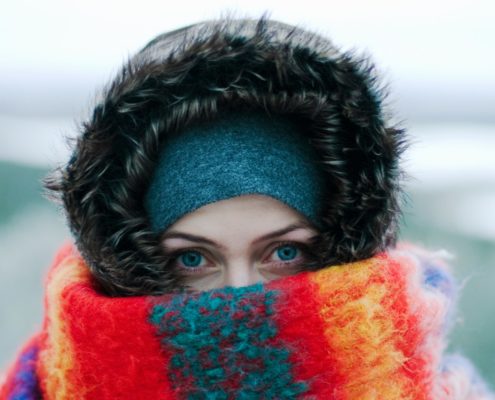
(224, 345)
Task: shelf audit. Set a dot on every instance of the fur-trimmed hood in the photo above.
(194, 73)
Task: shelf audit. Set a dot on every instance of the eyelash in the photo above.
(303, 248)
(300, 246)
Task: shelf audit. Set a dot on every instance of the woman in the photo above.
(234, 201)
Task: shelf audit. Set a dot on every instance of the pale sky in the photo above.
(438, 55)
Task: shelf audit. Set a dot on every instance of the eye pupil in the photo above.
(287, 253)
(191, 259)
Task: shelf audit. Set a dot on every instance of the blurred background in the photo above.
(437, 57)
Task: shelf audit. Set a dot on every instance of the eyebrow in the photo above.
(202, 239)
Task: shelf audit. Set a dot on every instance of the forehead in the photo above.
(251, 214)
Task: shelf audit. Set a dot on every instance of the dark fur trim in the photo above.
(195, 72)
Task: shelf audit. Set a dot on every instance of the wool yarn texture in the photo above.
(373, 329)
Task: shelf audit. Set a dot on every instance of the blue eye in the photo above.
(191, 259)
(287, 252)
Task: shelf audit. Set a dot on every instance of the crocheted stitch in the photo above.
(226, 342)
(367, 330)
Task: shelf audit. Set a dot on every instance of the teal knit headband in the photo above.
(233, 155)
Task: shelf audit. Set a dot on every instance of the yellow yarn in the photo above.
(360, 331)
(56, 360)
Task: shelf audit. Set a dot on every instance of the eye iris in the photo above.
(287, 253)
(191, 259)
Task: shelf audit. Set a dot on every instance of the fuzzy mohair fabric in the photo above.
(236, 154)
(201, 71)
(373, 329)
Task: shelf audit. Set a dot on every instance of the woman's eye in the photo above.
(287, 254)
(191, 259)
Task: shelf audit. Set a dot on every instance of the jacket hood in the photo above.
(195, 73)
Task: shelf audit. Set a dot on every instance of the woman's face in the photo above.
(238, 242)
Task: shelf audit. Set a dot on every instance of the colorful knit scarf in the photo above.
(373, 329)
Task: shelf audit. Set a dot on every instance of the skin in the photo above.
(238, 242)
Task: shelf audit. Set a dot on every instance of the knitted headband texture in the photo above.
(374, 329)
(233, 155)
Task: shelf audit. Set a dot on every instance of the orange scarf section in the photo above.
(373, 329)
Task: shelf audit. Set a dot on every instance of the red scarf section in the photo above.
(373, 329)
